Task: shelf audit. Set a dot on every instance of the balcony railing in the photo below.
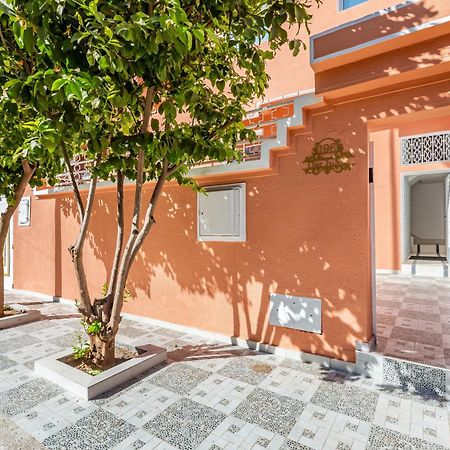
(425, 148)
(80, 171)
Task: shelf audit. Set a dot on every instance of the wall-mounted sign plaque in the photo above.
(328, 156)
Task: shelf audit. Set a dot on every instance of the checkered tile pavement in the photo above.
(209, 396)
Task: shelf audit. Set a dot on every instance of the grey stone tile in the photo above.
(292, 445)
(16, 343)
(311, 368)
(383, 438)
(418, 379)
(271, 411)
(26, 396)
(180, 378)
(100, 430)
(69, 339)
(185, 424)
(6, 363)
(131, 331)
(346, 399)
(247, 369)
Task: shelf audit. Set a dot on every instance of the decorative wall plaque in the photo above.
(328, 156)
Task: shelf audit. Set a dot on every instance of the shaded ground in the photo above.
(208, 396)
(13, 438)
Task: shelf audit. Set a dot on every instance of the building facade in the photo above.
(354, 141)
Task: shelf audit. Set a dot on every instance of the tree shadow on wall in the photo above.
(225, 287)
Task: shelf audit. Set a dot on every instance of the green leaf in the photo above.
(108, 32)
(28, 40)
(59, 83)
(73, 88)
(155, 124)
(199, 34)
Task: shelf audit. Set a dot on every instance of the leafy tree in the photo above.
(27, 139)
(157, 87)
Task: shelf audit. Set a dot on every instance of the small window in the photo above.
(24, 212)
(345, 4)
(3, 205)
(221, 213)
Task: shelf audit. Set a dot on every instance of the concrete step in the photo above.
(411, 378)
(426, 268)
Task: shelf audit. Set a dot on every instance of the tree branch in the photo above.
(172, 169)
(77, 249)
(131, 251)
(5, 220)
(120, 232)
(123, 268)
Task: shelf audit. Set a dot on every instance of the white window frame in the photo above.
(242, 236)
(342, 8)
(24, 201)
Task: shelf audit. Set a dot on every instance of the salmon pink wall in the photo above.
(387, 177)
(290, 74)
(307, 235)
(34, 248)
(409, 62)
(380, 26)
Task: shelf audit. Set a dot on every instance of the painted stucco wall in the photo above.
(307, 235)
(289, 75)
(387, 175)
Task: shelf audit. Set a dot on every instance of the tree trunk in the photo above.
(5, 220)
(4, 227)
(2, 284)
(103, 351)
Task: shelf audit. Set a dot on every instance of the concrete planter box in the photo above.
(89, 387)
(29, 315)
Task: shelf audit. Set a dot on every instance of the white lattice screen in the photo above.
(425, 148)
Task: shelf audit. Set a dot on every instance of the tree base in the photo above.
(102, 351)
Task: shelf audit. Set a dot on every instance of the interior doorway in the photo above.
(425, 230)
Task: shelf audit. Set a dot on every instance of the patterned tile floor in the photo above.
(413, 318)
(208, 396)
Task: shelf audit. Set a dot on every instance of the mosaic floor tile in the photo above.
(100, 430)
(185, 424)
(16, 343)
(276, 413)
(250, 400)
(383, 438)
(26, 396)
(6, 363)
(180, 378)
(346, 399)
(311, 368)
(423, 380)
(292, 445)
(247, 370)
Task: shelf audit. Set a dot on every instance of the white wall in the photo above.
(427, 210)
(406, 217)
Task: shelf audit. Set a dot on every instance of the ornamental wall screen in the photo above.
(328, 156)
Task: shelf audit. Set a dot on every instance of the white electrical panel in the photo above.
(298, 313)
